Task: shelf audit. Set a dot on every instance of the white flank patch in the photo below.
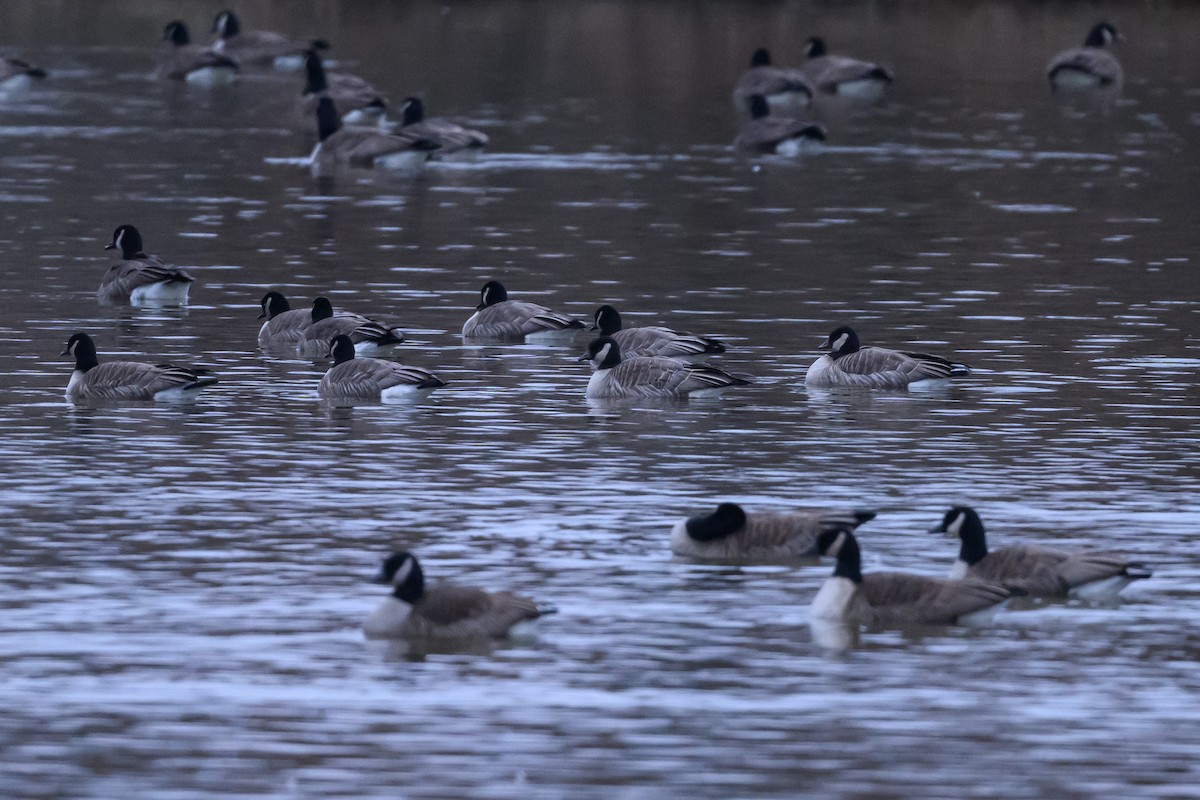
(1102, 591)
(211, 76)
(161, 294)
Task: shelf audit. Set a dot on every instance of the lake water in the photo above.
(182, 587)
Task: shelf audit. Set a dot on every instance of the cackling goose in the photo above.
(650, 377)
(450, 137)
(445, 611)
(1039, 571)
(731, 534)
(129, 380)
(139, 278)
(499, 319)
(284, 326)
(370, 337)
(16, 75)
(888, 599)
(848, 364)
(1089, 67)
(360, 103)
(651, 340)
(353, 378)
(787, 90)
(841, 75)
(184, 61)
(764, 133)
(364, 147)
(260, 48)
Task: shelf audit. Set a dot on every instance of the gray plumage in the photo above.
(183, 61)
(836, 74)
(258, 48)
(497, 318)
(128, 380)
(732, 534)
(652, 340)
(784, 88)
(445, 611)
(650, 377)
(285, 326)
(849, 364)
(1038, 571)
(16, 70)
(355, 98)
(362, 147)
(352, 378)
(1090, 66)
(139, 277)
(366, 333)
(765, 133)
(450, 137)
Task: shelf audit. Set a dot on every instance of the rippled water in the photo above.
(182, 586)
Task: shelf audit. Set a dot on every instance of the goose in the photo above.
(363, 147)
(17, 75)
(445, 611)
(652, 341)
(784, 88)
(368, 335)
(1089, 67)
(284, 326)
(184, 61)
(129, 380)
(359, 101)
(353, 378)
(500, 319)
(139, 278)
(841, 75)
(1039, 571)
(260, 48)
(650, 377)
(849, 364)
(450, 137)
(889, 599)
(767, 134)
(729, 533)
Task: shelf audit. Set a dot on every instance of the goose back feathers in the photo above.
(850, 364)
(650, 377)
(732, 534)
(841, 75)
(357, 100)
(260, 48)
(450, 137)
(353, 378)
(1089, 67)
(285, 326)
(767, 134)
(652, 340)
(363, 147)
(184, 61)
(368, 335)
(140, 278)
(129, 380)
(497, 318)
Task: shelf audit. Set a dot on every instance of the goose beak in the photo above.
(110, 246)
(263, 315)
(381, 578)
(594, 328)
(584, 357)
(65, 353)
(480, 307)
(825, 346)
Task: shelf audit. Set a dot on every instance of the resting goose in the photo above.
(1092, 66)
(849, 364)
(732, 534)
(260, 48)
(651, 340)
(841, 75)
(16, 75)
(889, 599)
(359, 102)
(1039, 571)
(129, 380)
(445, 611)
(353, 378)
(184, 61)
(139, 278)
(497, 318)
(764, 134)
(369, 336)
(787, 90)
(364, 147)
(284, 326)
(650, 377)
(450, 137)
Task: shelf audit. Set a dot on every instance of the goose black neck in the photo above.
(414, 111)
(342, 350)
(849, 560)
(328, 121)
(314, 73)
(761, 58)
(322, 309)
(974, 538)
(608, 320)
(413, 587)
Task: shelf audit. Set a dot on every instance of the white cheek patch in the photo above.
(836, 547)
(840, 343)
(117, 241)
(402, 574)
(954, 527)
(602, 354)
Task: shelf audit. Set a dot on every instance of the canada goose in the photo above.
(129, 380)
(1088, 67)
(650, 377)
(260, 48)
(1039, 571)
(848, 364)
(359, 102)
(445, 611)
(729, 533)
(353, 378)
(284, 326)
(652, 341)
(140, 278)
(16, 75)
(450, 137)
(500, 319)
(364, 147)
(369, 336)
(184, 61)
(886, 599)
(787, 90)
(841, 75)
(764, 133)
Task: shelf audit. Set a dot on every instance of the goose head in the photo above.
(126, 239)
(402, 572)
(603, 353)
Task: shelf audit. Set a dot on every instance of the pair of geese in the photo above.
(232, 48)
(981, 580)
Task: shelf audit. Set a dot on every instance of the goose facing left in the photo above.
(373, 379)
(191, 63)
(16, 74)
(260, 48)
(369, 336)
(140, 278)
(1092, 66)
(364, 147)
(285, 326)
(768, 134)
(451, 138)
(129, 380)
(850, 364)
(787, 90)
(497, 318)
(444, 611)
(652, 340)
(650, 377)
(730, 533)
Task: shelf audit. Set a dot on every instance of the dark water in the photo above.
(182, 586)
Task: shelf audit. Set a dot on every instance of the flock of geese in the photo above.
(628, 363)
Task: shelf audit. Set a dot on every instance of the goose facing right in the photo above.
(786, 90)
(650, 377)
(850, 364)
(842, 75)
(768, 134)
(652, 340)
(1039, 571)
(369, 336)
(191, 63)
(891, 599)
(353, 378)
(129, 380)
(444, 611)
(732, 534)
(140, 278)
(497, 318)
(1092, 66)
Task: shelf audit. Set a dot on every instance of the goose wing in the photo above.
(449, 610)
(287, 328)
(449, 135)
(515, 319)
(657, 341)
(179, 60)
(1092, 60)
(1034, 570)
(133, 380)
(898, 597)
(349, 92)
(891, 368)
(362, 147)
(658, 376)
(768, 81)
(317, 336)
(123, 277)
(764, 134)
(827, 72)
